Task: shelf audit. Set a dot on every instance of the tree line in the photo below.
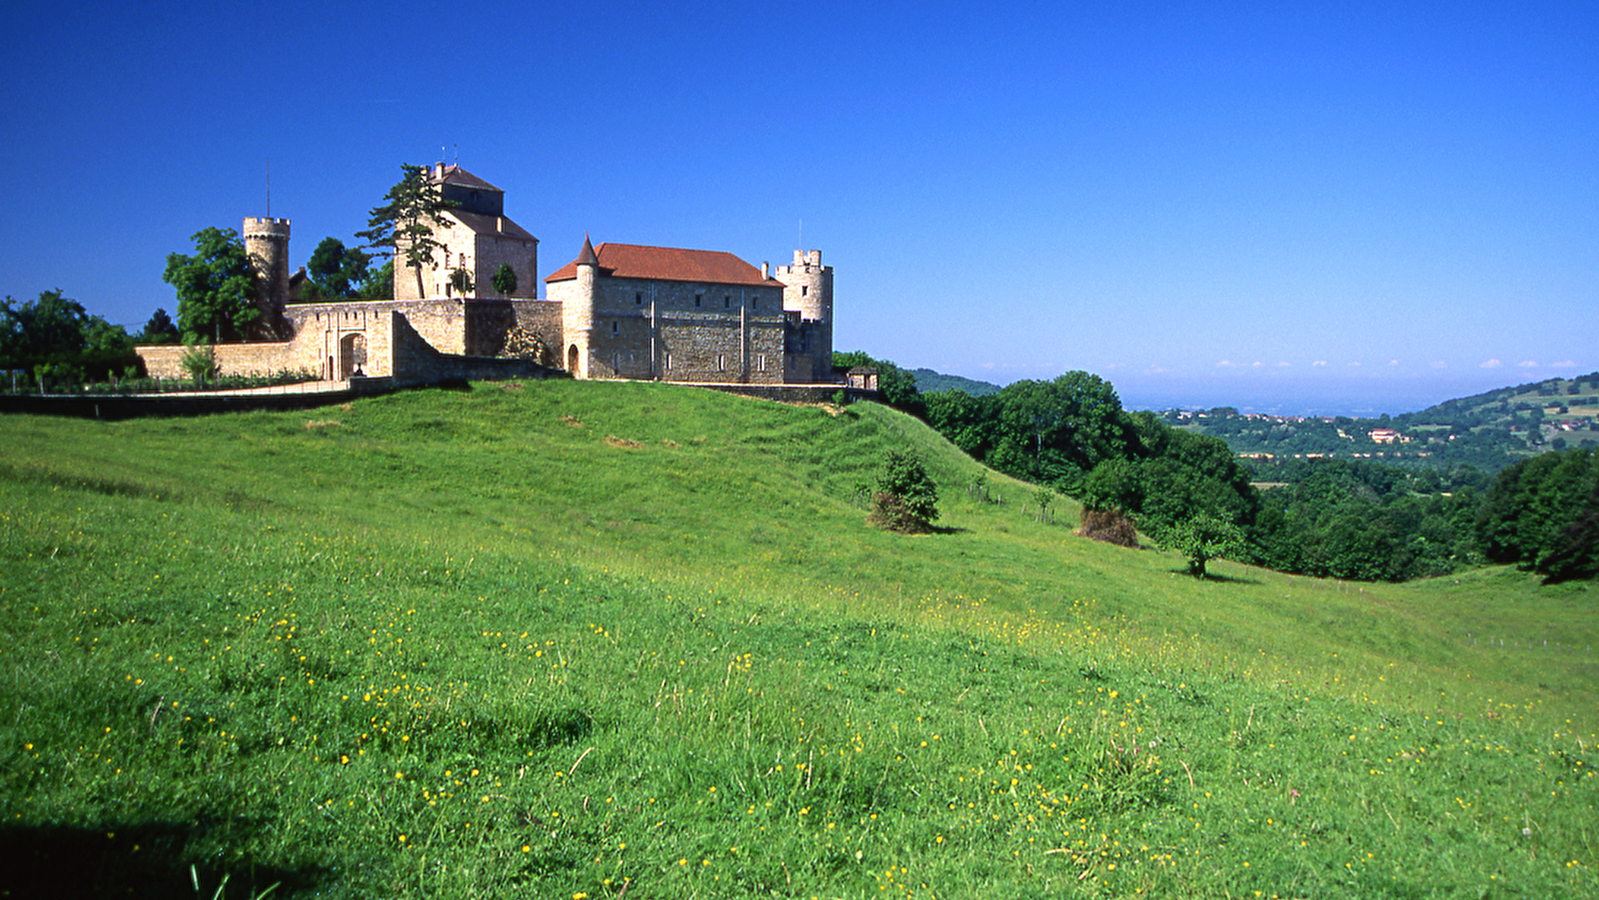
(1322, 517)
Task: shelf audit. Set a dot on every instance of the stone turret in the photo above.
(266, 242)
(808, 290)
(808, 286)
(577, 314)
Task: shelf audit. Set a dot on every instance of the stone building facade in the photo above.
(479, 240)
(631, 311)
(616, 311)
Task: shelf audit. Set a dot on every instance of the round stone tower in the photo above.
(577, 314)
(266, 241)
(808, 286)
(808, 289)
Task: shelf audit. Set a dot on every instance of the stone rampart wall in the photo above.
(166, 360)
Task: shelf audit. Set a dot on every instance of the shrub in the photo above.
(894, 513)
(1109, 525)
(906, 499)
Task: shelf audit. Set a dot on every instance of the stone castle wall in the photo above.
(166, 360)
(679, 331)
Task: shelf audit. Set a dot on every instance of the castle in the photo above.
(615, 311)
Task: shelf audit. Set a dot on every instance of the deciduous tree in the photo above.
(337, 270)
(216, 286)
(1203, 538)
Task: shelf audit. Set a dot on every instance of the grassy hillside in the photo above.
(633, 640)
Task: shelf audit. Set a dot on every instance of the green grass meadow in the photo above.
(620, 640)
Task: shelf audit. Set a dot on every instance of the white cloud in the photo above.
(1393, 362)
(1319, 362)
(1439, 364)
(1490, 364)
(1256, 364)
(1284, 365)
(1354, 364)
(1227, 364)
(1564, 364)
(1157, 370)
(1528, 364)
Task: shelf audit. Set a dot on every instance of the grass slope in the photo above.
(634, 640)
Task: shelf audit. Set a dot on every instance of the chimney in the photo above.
(766, 270)
(499, 223)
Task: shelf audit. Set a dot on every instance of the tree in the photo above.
(160, 329)
(336, 270)
(906, 499)
(379, 283)
(1057, 431)
(55, 335)
(216, 286)
(46, 331)
(504, 280)
(461, 281)
(405, 224)
(107, 348)
(1203, 538)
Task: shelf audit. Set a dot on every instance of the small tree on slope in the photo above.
(906, 499)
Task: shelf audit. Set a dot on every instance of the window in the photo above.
(804, 289)
(613, 328)
(638, 299)
(721, 363)
(697, 298)
(755, 302)
(760, 362)
(727, 302)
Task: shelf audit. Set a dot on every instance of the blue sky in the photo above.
(1337, 207)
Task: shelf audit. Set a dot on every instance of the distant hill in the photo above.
(928, 381)
(1490, 430)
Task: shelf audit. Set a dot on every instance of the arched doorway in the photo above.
(571, 360)
(352, 355)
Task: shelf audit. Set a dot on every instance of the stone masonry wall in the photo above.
(701, 332)
(493, 249)
(166, 360)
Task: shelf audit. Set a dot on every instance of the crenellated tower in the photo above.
(808, 290)
(266, 242)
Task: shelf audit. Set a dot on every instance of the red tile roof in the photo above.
(669, 264)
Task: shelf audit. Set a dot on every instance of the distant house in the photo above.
(1383, 435)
